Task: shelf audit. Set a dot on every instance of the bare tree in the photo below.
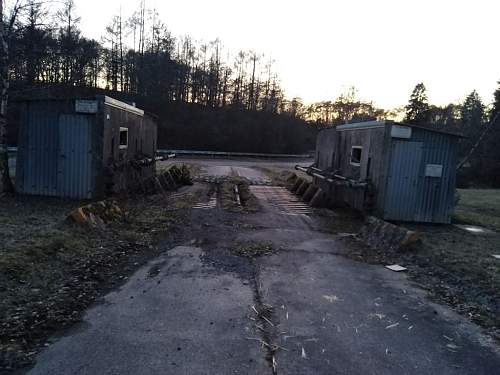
(69, 35)
(240, 68)
(114, 54)
(5, 181)
(120, 44)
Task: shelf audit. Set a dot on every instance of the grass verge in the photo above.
(252, 249)
(51, 271)
(228, 196)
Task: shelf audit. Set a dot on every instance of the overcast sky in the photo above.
(321, 47)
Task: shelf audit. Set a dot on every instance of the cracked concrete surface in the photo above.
(187, 319)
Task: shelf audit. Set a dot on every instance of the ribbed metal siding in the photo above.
(403, 180)
(433, 199)
(40, 151)
(325, 148)
(436, 199)
(76, 177)
(56, 155)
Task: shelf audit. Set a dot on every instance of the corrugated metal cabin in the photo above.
(398, 172)
(83, 148)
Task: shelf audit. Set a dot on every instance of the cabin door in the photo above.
(401, 197)
(74, 167)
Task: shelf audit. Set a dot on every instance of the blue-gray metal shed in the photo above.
(401, 172)
(77, 148)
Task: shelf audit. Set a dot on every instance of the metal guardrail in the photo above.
(218, 153)
(334, 178)
(238, 154)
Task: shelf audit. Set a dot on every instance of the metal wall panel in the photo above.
(40, 148)
(325, 148)
(55, 151)
(66, 154)
(436, 200)
(405, 192)
(75, 175)
(432, 198)
(402, 181)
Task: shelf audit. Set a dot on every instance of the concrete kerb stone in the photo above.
(180, 175)
(297, 184)
(309, 193)
(171, 181)
(96, 214)
(158, 185)
(378, 233)
(291, 180)
(165, 184)
(319, 199)
(78, 216)
(302, 188)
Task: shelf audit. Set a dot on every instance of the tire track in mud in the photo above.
(279, 208)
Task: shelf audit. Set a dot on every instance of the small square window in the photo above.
(356, 153)
(123, 138)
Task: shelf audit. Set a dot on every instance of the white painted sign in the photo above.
(86, 106)
(398, 131)
(434, 170)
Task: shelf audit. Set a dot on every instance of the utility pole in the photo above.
(479, 141)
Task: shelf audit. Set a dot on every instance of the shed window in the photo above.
(356, 152)
(123, 138)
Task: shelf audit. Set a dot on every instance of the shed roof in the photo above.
(107, 100)
(121, 105)
(382, 123)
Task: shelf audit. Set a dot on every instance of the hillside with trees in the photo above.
(205, 97)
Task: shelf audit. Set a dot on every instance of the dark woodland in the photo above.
(205, 97)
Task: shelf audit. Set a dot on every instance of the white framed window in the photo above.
(356, 154)
(123, 138)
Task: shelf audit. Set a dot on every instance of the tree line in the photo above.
(139, 55)
(202, 92)
(476, 121)
(183, 81)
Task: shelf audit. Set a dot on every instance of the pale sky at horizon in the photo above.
(382, 47)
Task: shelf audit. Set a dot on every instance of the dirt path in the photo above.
(212, 305)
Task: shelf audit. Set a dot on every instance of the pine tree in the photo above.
(472, 113)
(485, 147)
(493, 137)
(472, 117)
(417, 110)
(496, 103)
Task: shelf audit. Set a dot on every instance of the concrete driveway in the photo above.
(304, 309)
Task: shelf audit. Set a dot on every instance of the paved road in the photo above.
(192, 311)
